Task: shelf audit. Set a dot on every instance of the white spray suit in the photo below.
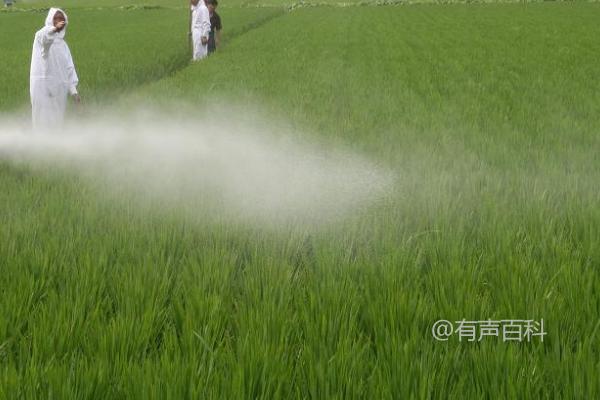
(200, 28)
(52, 77)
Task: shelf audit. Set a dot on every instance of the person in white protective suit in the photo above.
(199, 29)
(53, 77)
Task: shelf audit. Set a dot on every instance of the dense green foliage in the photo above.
(486, 114)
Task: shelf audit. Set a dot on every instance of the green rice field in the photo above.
(487, 118)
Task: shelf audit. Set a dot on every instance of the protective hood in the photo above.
(50, 21)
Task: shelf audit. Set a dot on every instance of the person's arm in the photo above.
(46, 35)
(72, 76)
(205, 25)
(195, 21)
(218, 27)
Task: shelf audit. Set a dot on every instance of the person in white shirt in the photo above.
(52, 77)
(200, 29)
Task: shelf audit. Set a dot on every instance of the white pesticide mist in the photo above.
(206, 165)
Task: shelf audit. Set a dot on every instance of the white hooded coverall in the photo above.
(53, 76)
(200, 28)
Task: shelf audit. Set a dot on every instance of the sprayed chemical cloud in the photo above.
(239, 169)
